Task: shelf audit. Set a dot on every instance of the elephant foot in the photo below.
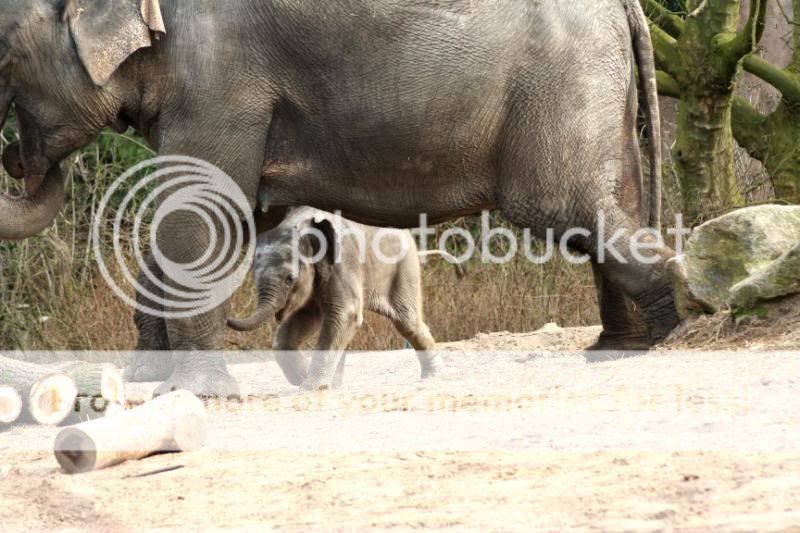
(604, 356)
(610, 347)
(614, 346)
(621, 342)
(326, 371)
(294, 366)
(660, 314)
(432, 367)
(149, 366)
(204, 383)
(311, 384)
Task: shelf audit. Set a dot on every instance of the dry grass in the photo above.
(516, 297)
(774, 326)
(50, 293)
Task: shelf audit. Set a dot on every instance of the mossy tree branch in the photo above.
(794, 65)
(786, 81)
(665, 50)
(745, 40)
(671, 23)
(667, 86)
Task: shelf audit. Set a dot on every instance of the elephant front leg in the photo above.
(289, 339)
(151, 360)
(327, 363)
(196, 313)
(190, 225)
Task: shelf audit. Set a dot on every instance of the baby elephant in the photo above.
(349, 274)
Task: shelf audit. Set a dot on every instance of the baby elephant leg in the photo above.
(416, 332)
(338, 378)
(289, 339)
(338, 329)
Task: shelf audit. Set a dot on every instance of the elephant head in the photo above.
(57, 64)
(285, 282)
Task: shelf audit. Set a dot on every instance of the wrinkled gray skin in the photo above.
(381, 108)
(329, 296)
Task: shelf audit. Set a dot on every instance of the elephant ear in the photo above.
(107, 32)
(325, 227)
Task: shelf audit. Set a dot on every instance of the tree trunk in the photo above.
(775, 139)
(704, 156)
(704, 149)
(699, 57)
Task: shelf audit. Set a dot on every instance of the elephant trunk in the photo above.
(5, 105)
(35, 210)
(262, 313)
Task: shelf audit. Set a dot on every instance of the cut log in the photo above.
(93, 383)
(52, 399)
(174, 422)
(10, 405)
(111, 398)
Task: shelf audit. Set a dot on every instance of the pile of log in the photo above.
(175, 422)
(58, 393)
(86, 394)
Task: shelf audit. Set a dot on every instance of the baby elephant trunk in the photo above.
(262, 313)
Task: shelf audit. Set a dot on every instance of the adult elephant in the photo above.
(384, 109)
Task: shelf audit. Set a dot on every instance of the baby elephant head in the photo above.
(285, 281)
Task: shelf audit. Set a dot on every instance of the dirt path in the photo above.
(515, 439)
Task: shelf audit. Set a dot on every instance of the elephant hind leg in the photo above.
(583, 182)
(404, 309)
(416, 332)
(646, 285)
(623, 327)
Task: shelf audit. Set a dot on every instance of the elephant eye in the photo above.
(290, 279)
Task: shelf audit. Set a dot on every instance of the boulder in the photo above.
(779, 278)
(739, 259)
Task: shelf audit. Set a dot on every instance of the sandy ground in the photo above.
(527, 436)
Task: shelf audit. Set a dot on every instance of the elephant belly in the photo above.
(386, 177)
(384, 198)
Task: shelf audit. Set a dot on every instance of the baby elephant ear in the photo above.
(107, 32)
(325, 227)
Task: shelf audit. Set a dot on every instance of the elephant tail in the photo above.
(645, 63)
(461, 271)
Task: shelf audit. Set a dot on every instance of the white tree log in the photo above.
(51, 399)
(171, 423)
(10, 405)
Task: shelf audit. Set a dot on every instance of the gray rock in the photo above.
(779, 278)
(739, 259)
